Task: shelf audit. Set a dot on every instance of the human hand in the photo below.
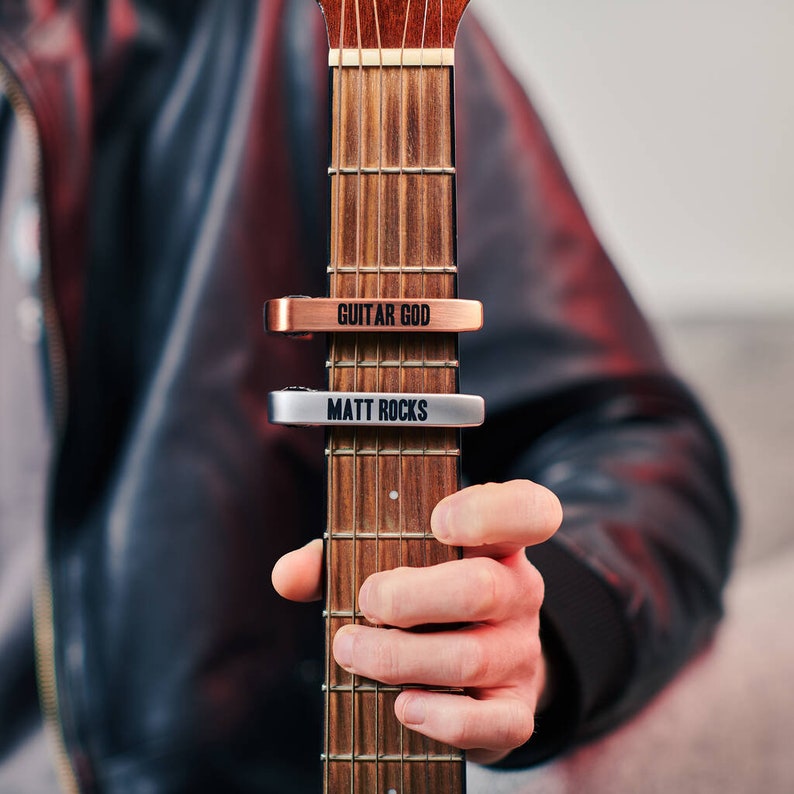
(494, 590)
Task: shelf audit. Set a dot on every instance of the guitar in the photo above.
(392, 408)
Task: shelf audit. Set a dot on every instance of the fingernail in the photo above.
(343, 648)
(414, 712)
(439, 520)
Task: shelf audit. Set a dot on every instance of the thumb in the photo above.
(297, 576)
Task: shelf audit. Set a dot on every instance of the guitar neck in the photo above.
(392, 405)
(392, 242)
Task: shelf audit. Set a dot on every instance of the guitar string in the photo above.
(446, 146)
(332, 434)
(445, 140)
(441, 90)
(400, 254)
(423, 187)
(447, 155)
(379, 259)
(356, 356)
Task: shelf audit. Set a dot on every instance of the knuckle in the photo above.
(519, 727)
(538, 506)
(386, 666)
(532, 587)
(474, 663)
(460, 730)
(482, 590)
(537, 589)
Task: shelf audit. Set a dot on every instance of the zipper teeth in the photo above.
(43, 610)
(44, 630)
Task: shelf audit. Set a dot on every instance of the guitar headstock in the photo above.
(392, 24)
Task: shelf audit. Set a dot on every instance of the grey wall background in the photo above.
(676, 121)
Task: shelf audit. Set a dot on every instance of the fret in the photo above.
(407, 536)
(424, 170)
(415, 101)
(351, 452)
(374, 687)
(371, 688)
(397, 269)
(407, 758)
(408, 364)
(343, 613)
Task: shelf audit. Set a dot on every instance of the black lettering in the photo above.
(366, 308)
(341, 314)
(334, 409)
(415, 314)
(368, 402)
(422, 410)
(347, 414)
(379, 315)
(383, 410)
(393, 410)
(389, 314)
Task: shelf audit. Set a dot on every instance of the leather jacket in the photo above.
(181, 182)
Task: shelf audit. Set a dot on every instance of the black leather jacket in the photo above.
(182, 183)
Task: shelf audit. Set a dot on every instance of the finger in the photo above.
(463, 591)
(479, 656)
(512, 514)
(487, 729)
(297, 576)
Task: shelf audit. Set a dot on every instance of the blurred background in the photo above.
(675, 120)
(676, 123)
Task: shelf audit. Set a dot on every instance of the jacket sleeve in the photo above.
(580, 399)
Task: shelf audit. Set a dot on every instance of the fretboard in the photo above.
(392, 242)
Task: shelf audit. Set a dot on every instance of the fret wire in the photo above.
(376, 686)
(407, 452)
(410, 759)
(419, 170)
(393, 364)
(418, 269)
(341, 535)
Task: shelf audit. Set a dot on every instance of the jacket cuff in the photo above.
(588, 648)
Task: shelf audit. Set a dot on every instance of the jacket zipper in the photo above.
(43, 610)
